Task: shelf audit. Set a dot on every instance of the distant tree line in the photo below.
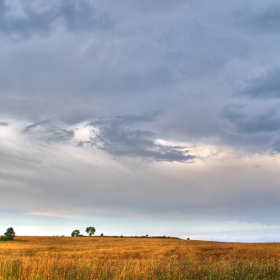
(10, 234)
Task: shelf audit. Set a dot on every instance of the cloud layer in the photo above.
(140, 109)
(24, 19)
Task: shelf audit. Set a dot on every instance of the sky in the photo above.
(140, 117)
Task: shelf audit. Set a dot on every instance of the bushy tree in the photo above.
(90, 231)
(9, 234)
(75, 232)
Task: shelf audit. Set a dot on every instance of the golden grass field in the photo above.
(79, 258)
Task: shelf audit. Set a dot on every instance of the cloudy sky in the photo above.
(140, 117)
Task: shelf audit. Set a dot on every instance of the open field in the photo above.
(83, 258)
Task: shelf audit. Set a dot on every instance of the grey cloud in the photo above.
(150, 61)
(262, 19)
(116, 137)
(275, 146)
(264, 86)
(251, 123)
(4, 124)
(48, 132)
(124, 120)
(75, 15)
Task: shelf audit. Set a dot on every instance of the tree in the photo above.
(75, 233)
(9, 234)
(90, 231)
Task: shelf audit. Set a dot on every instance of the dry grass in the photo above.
(85, 258)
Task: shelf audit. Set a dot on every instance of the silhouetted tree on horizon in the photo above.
(90, 231)
(75, 233)
(9, 234)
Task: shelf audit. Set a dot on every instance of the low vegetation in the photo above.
(57, 258)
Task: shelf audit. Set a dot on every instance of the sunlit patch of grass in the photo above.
(57, 258)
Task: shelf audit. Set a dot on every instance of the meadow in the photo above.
(82, 258)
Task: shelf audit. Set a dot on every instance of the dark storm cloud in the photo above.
(252, 123)
(116, 137)
(4, 124)
(75, 15)
(265, 86)
(48, 132)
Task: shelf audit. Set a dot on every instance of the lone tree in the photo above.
(75, 233)
(9, 234)
(90, 231)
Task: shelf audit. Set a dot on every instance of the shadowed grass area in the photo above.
(59, 258)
